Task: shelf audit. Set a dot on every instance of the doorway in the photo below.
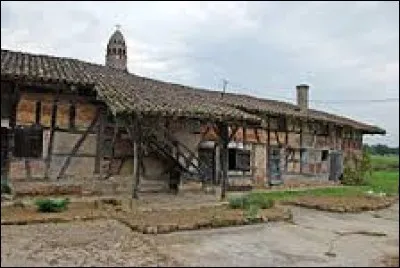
(274, 159)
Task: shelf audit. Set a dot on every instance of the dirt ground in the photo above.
(97, 243)
(316, 239)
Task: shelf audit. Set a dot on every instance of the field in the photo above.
(385, 162)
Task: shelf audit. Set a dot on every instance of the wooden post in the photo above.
(137, 154)
(244, 128)
(268, 149)
(51, 140)
(99, 141)
(11, 130)
(301, 146)
(224, 140)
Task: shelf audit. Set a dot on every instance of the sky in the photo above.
(348, 52)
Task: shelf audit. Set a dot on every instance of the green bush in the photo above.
(357, 170)
(246, 201)
(237, 202)
(52, 205)
(260, 200)
(252, 212)
(5, 187)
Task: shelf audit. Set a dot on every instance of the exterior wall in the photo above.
(29, 173)
(64, 141)
(300, 150)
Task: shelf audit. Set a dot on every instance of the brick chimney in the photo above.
(302, 96)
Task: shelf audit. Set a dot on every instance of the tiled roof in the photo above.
(124, 92)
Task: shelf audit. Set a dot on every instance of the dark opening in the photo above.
(38, 112)
(232, 159)
(29, 142)
(238, 159)
(324, 155)
(281, 124)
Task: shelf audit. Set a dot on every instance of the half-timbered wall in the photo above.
(64, 139)
(78, 141)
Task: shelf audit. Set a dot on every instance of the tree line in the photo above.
(381, 149)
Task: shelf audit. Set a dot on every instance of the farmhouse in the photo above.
(83, 128)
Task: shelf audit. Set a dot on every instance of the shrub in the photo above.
(245, 202)
(237, 202)
(357, 169)
(5, 187)
(260, 200)
(52, 205)
(251, 213)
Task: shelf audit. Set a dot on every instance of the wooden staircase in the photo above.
(165, 145)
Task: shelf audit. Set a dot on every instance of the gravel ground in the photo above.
(97, 243)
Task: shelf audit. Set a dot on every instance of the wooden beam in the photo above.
(114, 138)
(51, 139)
(11, 130)
(28, 169)
(233, 132)
(137, 154)
(224, 138)
(268, 149)
(77, 146)
(244, 142)
(301, 146)
(99, 141)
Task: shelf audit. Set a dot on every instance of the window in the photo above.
(324, 155)
(238, 159)
(29, 142)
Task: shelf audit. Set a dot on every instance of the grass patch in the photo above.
(384, 181)
(248, 201)
(380, 181)
(385, 162)
(52, 205)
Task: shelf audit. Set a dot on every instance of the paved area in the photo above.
(316, 239)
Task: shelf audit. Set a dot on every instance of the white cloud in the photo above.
(352, 49)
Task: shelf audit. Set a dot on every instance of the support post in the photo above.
(244, 133)
(99, 141)
(224, 140)
(301, 146)
(137, 154)
(51, 140)
(11, 130)
(268, 149)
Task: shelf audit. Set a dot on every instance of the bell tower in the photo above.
(116, 51)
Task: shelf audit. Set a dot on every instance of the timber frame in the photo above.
(96, 122)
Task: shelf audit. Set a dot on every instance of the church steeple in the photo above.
(116, 51)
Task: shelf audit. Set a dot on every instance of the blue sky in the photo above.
(344, 50)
